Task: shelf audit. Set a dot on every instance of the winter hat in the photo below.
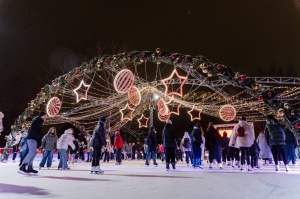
(69, 131)
(198, 125)
(117, 133)
(102, 119)
(243, 118)
(169, 121)
(42, 113)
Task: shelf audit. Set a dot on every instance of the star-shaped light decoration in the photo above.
(193, 110)
(86, 87)
(183, 80)
(178, 105)
(126, 116)
(143, 121)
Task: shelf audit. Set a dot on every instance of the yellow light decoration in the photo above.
(126, 108)
(227, 113)
(164, 81)
(134, 96)
(146, 121)
(53, 106)
(86, 87)
(123, 81)
(194, 109)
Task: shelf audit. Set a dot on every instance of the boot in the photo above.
(92, 169)
(31, 170)
(276, 167)
(147, 164)
(98, 170)
(229, 163)
(221, 166)
(210, 165)
(173, 165)
(22, 169)
(249, 168)
(287, 169)
(155, 164)
(238, 164)
(242, 167)
(167, 166)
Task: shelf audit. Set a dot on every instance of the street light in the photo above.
(154, 98)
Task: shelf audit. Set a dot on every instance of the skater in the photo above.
(265, 150)
(196, 145)
(89, 151)
(118, 145)
(107, 151)
(24, 147)
(275, 137)
(33, 135)
(63, 142)
(213, 144)
(49, 143)
(152, 144)
(291, 145)
(186, 146)
(243, 136)
(170, 141)
(254, 153)
(98, 141)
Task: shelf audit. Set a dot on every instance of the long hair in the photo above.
(49, 131)
(210, 125)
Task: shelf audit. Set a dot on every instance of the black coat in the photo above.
(196, 137)
(98, 138)
(254, 149)
(274, 133)
(151, 141)
(35, 129)
(213, 139)
(290, 139)
(169, 137)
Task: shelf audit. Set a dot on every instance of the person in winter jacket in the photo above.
(24, 147)
(89, 151)
(254, 153)
(74, 152)
(107, 151)
(152, 144)
(291, 144)
(213, 143)
(243, 140)
(186, 146)
(196, 145)
(98, 141)
(265, 150)
(275, 137)
(63, 142)
(33, 135)
(234, 153)
(118, 145)
(170, 141)
(49, 142)
(225, 143)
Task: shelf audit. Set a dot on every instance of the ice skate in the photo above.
(98, 170)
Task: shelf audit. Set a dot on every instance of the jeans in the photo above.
(153, 156)
(245, 155)
(291, 155)
(15, 150)
(63, 158)
(197, 155)
(48, 155)
(89, 156)
(119, 155)
(31, 152)
(188, 156)
(278, 150)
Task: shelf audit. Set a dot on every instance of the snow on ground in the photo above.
(134, 180)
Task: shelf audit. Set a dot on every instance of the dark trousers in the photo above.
(106, 156)
(254, 160)
(234, 153)
(214, 154)
(291, 155)
(278, 150)
(15, 150)
(96, 156)
(119, 155)
(188, 156)
(245, 155)
(170, 155)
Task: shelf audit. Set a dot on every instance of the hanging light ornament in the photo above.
(227, 113)
(145, 119)
(134, 96)
(53, 106)
(127, 116)
(123, 81)
(183, 80)
(194, 109)
(86, 87)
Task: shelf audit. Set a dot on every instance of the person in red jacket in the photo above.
(118, 145)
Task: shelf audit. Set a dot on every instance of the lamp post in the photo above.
(153, 99)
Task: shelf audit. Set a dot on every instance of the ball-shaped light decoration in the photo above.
(134, 96)
(161, 104)
(123, 81)
(53, 106)
(164, 118)
(227, 113)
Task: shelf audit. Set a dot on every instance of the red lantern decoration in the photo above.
(243, 77)
(76, 74)
(173, 56)
(28, 104)
(106, 62)
(219, 67)
(129, 57)
(297, 125)
(260, 98)
(270, 94)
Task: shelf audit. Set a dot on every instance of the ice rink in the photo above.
(133, 179)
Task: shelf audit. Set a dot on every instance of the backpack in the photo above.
(241, 131)
(186, 143)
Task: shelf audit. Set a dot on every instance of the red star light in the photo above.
(183, 80)
(145, 119)
(127, 116)
(86, 87)
(194, 109)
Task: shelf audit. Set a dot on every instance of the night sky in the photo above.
(40, 40)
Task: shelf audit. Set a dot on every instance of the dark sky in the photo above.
(36, 35)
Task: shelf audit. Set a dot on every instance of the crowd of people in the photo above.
(240, 149)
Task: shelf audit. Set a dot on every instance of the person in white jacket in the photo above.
(243, 137)
(63, 142)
